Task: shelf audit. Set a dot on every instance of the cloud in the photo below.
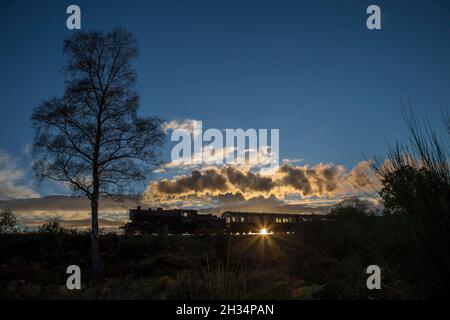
(237, 202)
(206, 155)
(217, 152)
(11, 186)
(296, 160)
(322, 180)
(362, 177)
(73, 211)
(186, 124)
(27, 149)
(209, 181)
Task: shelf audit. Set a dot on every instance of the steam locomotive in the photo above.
(181, 221)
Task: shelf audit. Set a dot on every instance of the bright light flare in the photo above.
(263, 231)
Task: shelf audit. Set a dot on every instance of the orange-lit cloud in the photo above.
(322, 180)
(73, 211)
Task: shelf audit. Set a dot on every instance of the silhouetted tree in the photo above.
(51, 225)
(92, 138)
(8, 221)
(357, 209)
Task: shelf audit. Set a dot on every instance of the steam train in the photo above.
(181, 221)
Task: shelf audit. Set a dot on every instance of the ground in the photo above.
(321, 260)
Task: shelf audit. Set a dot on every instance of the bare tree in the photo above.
(92, 138)
(8, 221)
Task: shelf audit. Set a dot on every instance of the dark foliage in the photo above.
(322, 260)
(416, 193)
(8, 221)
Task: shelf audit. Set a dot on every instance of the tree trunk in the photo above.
(95, 242)
(95, 239)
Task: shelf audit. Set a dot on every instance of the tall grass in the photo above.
(215, 283)
(416, 192)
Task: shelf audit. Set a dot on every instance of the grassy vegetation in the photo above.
(322, 260)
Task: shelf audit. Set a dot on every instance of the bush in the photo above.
(8, 221)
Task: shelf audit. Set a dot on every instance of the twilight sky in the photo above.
(309, 68)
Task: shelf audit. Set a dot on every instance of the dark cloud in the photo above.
(322, 180)
(197, 182)
(248, 181)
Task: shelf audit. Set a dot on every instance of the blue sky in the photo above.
(310, 68)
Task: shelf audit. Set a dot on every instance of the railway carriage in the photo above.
(180, 221)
